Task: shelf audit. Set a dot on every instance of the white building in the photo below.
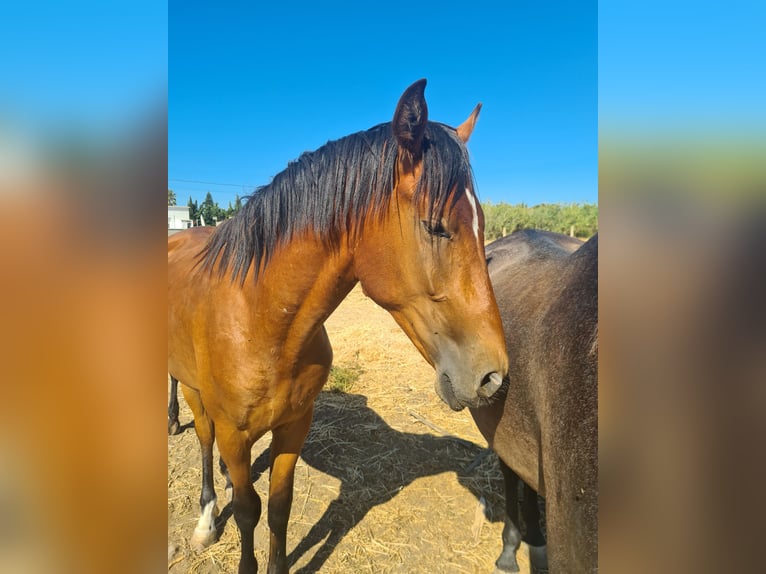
(178, 218)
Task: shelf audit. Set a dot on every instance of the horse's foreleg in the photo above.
(235, 452)
(538, 555)
(285, 447)
(205, 533)
(174, 427)
(511, 535)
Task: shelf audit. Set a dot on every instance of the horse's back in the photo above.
(184, 246)
(529, 245)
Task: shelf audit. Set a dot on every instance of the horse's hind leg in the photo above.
(286, 446)
(174, 427)
(511, 535)
(235, 451)
(205, 533)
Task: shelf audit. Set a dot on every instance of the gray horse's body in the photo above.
(546, 428)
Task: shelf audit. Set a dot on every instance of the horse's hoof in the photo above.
(201, 539)
(507, 564)
(538, 559)
(174, 427)
(205, 533)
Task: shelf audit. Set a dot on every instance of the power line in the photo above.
(242, 185)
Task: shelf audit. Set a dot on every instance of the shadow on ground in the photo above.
(374, 462)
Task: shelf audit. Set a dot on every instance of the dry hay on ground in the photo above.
(376, 489)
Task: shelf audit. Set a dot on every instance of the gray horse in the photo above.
(545, 429)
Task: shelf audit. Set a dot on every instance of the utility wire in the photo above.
(241, 185)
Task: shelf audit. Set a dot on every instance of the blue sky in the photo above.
(688, 67)
(253, 85)
(252, 88)
(80, 66)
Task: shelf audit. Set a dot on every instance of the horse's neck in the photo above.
(302, 285)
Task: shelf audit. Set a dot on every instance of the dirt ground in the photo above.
(379, 488)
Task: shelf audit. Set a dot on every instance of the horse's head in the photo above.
(423, 260)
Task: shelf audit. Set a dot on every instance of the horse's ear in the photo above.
(465, 129)
(410, 119)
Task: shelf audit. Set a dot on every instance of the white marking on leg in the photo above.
(205, 534)
(472, 201)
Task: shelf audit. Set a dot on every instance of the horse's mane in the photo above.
(330, 191)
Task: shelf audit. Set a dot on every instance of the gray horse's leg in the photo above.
(506, 563)
(174, 427)
(512, 537)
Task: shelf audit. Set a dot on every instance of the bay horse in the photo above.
(393, 208)
(544, 428)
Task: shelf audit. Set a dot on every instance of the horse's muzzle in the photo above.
(457, 400)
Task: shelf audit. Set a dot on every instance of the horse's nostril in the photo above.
(490, 384)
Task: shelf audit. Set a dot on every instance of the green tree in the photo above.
(502, 218)
(193, 210)
(210, 211)
(171, 197)
(232, 210)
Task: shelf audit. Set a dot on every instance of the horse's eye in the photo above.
(437, 229)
